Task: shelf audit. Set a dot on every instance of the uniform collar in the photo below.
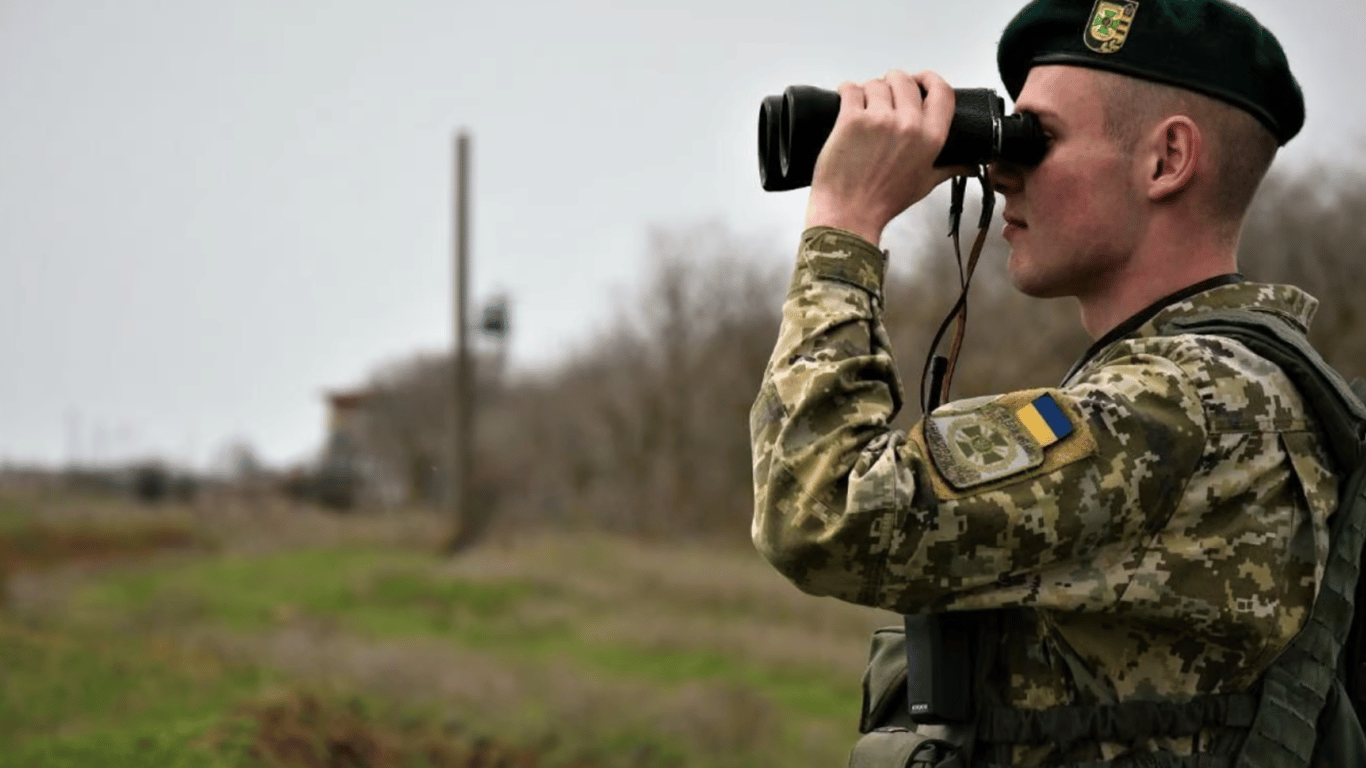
(1228, 291)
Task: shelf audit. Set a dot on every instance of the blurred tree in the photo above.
(1306, 229)
(643, 427)
(152, 482)
(237, 461)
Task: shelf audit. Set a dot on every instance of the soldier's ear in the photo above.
(1169, 157)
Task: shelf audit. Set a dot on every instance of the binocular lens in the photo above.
(770, 145)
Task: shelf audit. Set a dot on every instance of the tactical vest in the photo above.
(1302, 710)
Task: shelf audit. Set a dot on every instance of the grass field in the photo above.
(251, 633)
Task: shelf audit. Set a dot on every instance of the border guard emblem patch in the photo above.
(979, 445)
(1109, 26)
(974, 442)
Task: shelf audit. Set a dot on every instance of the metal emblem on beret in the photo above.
(1109, 26)
(980, 445)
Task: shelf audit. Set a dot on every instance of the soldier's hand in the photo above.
(879, 159)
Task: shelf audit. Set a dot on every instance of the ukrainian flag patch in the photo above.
(993, 443)
(1045, 420)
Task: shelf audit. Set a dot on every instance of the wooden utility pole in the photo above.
(462, 392)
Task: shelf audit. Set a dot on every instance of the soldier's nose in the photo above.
(1005, 177)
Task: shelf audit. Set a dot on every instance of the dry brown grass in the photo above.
(236, 521)
(632, 593)
(40, 547)
(716, 580)
(304, 729)
(65, 540)
(680, 596)
(527, 702)
(69, 547)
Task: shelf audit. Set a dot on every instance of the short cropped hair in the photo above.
(1240, 147)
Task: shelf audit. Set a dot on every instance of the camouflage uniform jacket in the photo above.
(1161, 531)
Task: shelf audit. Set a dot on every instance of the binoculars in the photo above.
(794, 126)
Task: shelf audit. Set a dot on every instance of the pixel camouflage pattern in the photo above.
(1172, 543)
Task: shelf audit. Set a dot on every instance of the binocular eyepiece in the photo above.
(794, 126)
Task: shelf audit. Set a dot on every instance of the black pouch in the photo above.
(892, 746)
(890, 738)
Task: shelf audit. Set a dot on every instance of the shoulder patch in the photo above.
(980, 441)
(979, 445)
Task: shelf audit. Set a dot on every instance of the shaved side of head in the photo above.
(1239, 148)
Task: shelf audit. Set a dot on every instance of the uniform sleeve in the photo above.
(1042, 498)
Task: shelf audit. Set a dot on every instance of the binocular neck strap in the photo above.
(942, 375)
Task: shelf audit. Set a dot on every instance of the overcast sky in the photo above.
(212, 212)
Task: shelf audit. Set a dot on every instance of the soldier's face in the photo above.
(1078, 205)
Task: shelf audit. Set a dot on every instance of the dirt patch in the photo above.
(40, 547)
(37, 547)
(306, 730)
(533, 701)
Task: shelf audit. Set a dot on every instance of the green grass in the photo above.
(381, 593)
(395, 594)
(13, 515)
(240, 592)
(162, 744)
(72, 699)
(78, 700)
(590, 651)
(800, 691)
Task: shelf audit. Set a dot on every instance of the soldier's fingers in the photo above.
(905, 91)
(939, 104)
(851, 99)
(879, 95)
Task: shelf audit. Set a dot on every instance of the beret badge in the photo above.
(1109, 26)
(1212, 47)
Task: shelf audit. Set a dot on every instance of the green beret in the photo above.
(1210, 46)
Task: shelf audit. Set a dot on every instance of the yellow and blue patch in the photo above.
(990, 443)
(1045, 420)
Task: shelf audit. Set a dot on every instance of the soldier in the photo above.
(1154, 528)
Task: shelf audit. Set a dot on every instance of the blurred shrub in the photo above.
(644, 428)
(152, 483)
(101, 482)
(336, 488)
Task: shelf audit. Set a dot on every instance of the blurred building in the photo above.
(346, 416)
(347, 472)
